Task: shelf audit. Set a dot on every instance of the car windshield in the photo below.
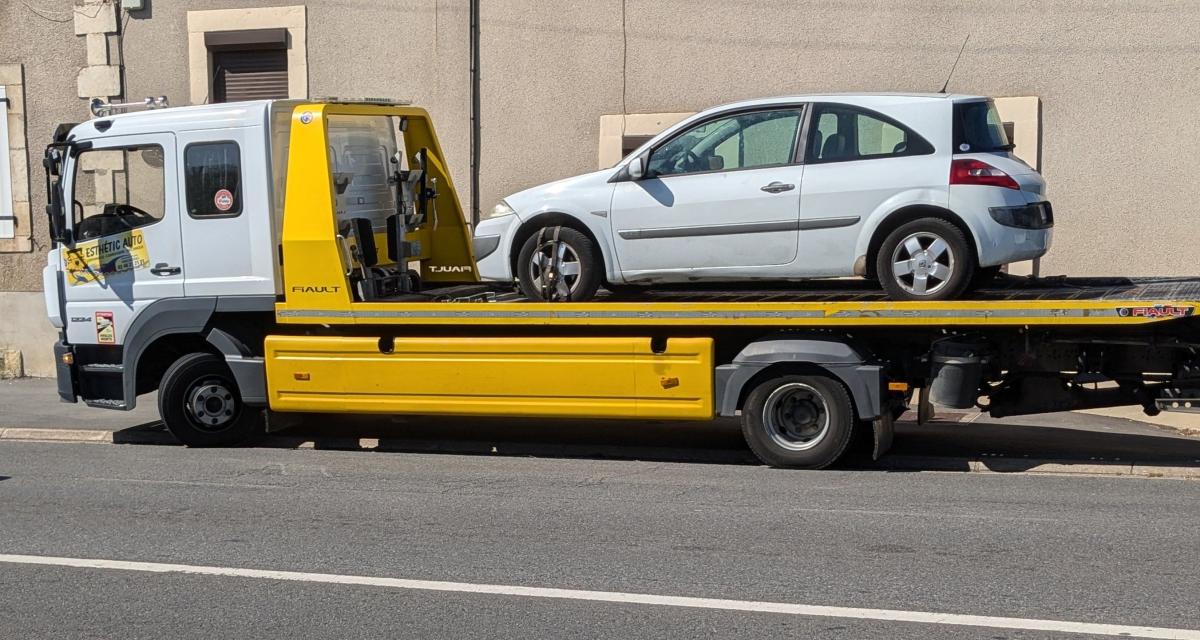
(978, 128)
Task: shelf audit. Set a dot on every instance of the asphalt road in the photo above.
(1117, 551)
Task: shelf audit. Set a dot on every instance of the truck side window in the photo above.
(213, 178)
(118, 190)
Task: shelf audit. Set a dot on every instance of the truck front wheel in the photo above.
(200, 404)
(798, 421)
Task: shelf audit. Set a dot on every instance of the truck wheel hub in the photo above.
(796, 417)
(211, 405)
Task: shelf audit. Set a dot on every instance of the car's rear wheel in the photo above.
(558, 264)
(926, 259)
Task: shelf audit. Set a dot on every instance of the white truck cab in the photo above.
(173, 209)
(167, 227)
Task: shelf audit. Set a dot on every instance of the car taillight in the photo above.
(970, 171)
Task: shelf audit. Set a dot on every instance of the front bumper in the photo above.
(493, 244)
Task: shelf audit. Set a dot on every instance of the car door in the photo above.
(125, 250)
(857, 161)
(718, 199)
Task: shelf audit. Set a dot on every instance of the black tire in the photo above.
(580, 287)
(827, 440)
(200, 382)
(960, 265)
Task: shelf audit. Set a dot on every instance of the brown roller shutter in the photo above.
(249, 75)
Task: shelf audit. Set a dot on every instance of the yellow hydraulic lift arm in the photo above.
(314, 272)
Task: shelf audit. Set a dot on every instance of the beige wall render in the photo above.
(1117, 83)
(293, 18)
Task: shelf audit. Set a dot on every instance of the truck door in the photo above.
(122, 195)
(225, 213)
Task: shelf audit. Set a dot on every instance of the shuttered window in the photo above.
(257, 74)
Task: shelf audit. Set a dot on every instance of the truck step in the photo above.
(105, 403)
(102, 368)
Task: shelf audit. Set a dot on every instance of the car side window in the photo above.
(842, 133)
(118, 190)
(213, 178)
(742, 141)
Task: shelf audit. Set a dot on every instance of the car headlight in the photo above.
(501, 209)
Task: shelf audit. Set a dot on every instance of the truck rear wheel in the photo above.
(798, 421)
(200, 404)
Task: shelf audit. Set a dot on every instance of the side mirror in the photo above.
(637, 168)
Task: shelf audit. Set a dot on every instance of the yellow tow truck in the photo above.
(290, 257)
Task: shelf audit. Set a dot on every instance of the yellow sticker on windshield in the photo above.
(98, 260)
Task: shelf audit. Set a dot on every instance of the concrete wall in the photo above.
(24, 329)
(1117, 80)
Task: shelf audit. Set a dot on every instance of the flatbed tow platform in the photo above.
(1008, 301)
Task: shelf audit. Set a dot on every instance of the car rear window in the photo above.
(978, 128)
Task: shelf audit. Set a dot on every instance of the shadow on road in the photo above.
(939, 445)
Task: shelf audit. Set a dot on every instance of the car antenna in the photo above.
(960, 52)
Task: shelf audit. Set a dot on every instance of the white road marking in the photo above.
(920, 617)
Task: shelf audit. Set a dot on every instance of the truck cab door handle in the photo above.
(162, 269)
(778, 187)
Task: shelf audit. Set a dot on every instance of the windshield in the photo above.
(978, 128)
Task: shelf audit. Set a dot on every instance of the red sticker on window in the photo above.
(223, 200)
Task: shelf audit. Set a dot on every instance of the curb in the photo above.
(56, 435)
(901, 463)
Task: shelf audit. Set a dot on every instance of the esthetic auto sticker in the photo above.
(98, 260)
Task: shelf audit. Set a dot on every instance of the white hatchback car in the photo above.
(920, 192)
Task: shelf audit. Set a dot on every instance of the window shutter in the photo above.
(250, 75)
(7, 219)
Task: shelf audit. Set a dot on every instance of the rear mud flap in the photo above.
(884, 428)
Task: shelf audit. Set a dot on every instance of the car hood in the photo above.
(536, 198)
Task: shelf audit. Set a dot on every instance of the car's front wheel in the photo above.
(559, 264)
(926, 259)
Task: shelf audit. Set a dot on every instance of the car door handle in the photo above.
(778, 187)
(162, 269)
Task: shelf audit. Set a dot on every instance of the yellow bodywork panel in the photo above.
(313, 262)
(536, 377)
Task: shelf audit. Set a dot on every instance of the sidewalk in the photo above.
(1055, 443)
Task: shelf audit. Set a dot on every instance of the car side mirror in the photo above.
(637, 168)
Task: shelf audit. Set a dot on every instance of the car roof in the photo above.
(860, 99)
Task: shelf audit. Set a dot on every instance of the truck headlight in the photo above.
(501, 209)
